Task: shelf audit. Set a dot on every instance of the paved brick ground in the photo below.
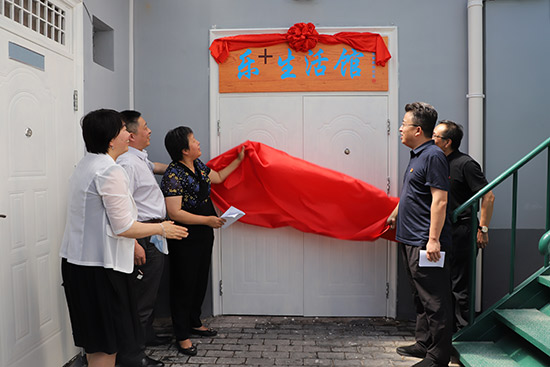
(293, 341)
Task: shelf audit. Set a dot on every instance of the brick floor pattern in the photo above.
(293, 341)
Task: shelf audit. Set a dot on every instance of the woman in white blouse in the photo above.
(98, 245)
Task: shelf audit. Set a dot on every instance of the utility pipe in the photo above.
(131, 56)
(475, 102)
(475, 80)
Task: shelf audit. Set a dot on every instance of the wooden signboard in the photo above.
(278, 68)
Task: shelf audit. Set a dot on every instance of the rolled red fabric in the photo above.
(221, 47)
(275, 189)
(302, 37)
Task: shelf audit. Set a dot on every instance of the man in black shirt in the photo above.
(466, 180)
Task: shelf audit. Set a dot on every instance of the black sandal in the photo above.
(207, 332)
(191, 351)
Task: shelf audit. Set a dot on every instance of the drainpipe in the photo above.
(475, 79)
(131, 96)
(475, 102)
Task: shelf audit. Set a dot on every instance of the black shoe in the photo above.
(207, 332)
(429, 363)
(140, 362)
(415, 350)
(158, 340)
(191, 351)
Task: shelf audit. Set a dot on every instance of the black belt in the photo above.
(159, 220)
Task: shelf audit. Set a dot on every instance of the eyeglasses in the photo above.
(440, 137)
(404, 125)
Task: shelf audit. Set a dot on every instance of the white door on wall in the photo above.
(347, 134)
(261, 268)
(38, 130)
(286, 272)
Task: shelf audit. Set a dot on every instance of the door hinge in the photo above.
(218, 127)
(388, 185)
(387, 290)
(75, 100)
(388, 129)
(221, 287)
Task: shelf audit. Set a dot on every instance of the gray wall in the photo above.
(171, 80)
(517, 97)
(172, 75)
(517, 54)
(104, 88)
(171, 57)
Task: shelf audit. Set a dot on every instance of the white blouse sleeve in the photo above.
(112, 185)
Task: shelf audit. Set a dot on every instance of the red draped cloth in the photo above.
(275, 189)
(302, 37)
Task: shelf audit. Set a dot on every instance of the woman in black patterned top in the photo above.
(186, 188)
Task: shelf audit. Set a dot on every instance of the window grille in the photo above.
(42, 16)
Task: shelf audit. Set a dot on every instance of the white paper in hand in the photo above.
(423, 260)
(231, 216)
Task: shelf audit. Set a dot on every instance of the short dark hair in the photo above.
(454, 132)
(130, 117)
(176, 140)
(424, 115)
(99, 127)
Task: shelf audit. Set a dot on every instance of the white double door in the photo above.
(38, 138)
(286, 272)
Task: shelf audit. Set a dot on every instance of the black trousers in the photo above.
(147, 286)
(190, 260)
(431, 290)
(460, 273)
(145, 282)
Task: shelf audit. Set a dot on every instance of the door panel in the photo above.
(347, 134)
(356, 123)
(261, 267)
(286, 272)
(262, 270)
(37, 146)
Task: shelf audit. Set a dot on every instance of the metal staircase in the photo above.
(516, 330)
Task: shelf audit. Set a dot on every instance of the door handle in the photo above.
(3, 215)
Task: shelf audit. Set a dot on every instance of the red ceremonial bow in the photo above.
(301, 37)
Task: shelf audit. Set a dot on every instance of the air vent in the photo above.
(41, 16)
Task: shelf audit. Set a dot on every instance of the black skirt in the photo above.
(102, 309)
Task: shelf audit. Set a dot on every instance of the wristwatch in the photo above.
(483, 229)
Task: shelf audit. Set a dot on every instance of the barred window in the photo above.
(41, 16)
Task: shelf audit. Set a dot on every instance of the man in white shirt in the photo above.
(149, 251)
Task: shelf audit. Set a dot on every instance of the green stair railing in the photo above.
(544, 245)
(473, 202)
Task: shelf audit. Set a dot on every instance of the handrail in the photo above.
(544, 243)
(501, 178)
(474, 203)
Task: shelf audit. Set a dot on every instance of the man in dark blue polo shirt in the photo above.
(422, 224)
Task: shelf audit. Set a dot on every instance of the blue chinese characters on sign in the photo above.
(245, 67)
(350, 61)
(286, 66)
(316, 63)
(347, 62)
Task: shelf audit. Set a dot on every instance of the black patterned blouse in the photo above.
(194, 188)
